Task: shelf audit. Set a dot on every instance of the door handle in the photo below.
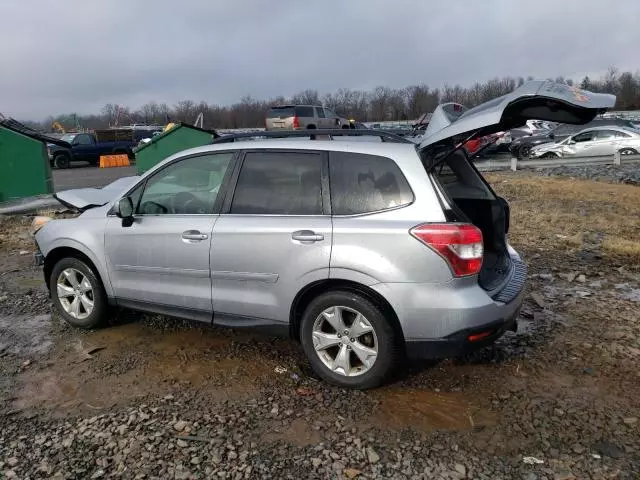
(307, 236)
(194, 235)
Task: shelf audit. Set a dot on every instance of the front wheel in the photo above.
(78, 294)
(348, 340)
(61, 161)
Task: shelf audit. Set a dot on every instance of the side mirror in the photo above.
(552, 135)
(571, 142)
(124, 210)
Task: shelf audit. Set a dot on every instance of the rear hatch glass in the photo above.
(281, 112)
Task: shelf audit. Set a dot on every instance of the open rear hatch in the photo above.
(465, 194)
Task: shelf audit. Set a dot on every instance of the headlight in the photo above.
(38, 223)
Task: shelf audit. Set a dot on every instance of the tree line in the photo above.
(380, 104)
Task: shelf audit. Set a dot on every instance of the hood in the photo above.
(540, 100)
(85, 198)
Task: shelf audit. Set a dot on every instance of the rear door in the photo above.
(161, 261)
(605, 142)
(273, 237)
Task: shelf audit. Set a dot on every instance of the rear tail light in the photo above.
(459, 244)
(296, 122)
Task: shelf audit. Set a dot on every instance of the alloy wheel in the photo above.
(75, 293)
(345, 341)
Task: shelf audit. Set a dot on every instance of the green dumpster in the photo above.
(24, 164)
(180, 137)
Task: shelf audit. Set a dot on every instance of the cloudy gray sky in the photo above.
(61, 56)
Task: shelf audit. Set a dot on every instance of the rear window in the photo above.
(362, 183)
(304, 111)
(280, 112)
(279, 183)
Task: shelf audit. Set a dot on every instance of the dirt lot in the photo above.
(152, 397)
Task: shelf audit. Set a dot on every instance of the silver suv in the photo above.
(301, 117)
(362, 251)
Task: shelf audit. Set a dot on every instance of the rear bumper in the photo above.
(459, 343)
(438, 319)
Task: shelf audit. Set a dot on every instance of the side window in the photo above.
(305, 112)
(606, 134)
(366, 183)
(320, 112)
(583, 137)
(83, 139)
(620, 134)
(279, 183)
(329, 113)
(187, 187)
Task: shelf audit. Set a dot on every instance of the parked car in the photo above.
(521, 147)
(296, 117)
(592, 142)
(89, 147)
(407, 254)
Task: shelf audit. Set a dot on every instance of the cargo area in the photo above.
(470, 199)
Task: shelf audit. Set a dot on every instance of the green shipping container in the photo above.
(178, 138)
(24, 166)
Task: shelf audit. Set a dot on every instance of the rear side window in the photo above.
(279, 183)
(459, 180)
(280, 112)
(366, 183)
(304, 111)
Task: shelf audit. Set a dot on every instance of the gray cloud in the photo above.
(76, 55)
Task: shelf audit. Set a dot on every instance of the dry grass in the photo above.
(565, 214)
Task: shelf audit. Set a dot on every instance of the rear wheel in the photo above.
(61, 161)
(78, 294)
(549, 155)
(628, 151)
(348, 340)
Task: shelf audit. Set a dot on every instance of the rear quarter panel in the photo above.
(378, 247)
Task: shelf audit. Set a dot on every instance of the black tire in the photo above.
(549, 155)
(98, 315)
(628, 151)
(388, 341)
(61, 160)
(311, 127)
(524, 151)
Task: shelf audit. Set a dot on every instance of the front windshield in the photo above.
(68, 137)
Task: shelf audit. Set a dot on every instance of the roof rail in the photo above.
(313, 133)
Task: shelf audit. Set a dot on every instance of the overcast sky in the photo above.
(62, 56)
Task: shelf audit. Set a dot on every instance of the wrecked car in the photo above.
(363, 252)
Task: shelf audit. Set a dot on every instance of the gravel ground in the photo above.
(152, 397)
(629, 173)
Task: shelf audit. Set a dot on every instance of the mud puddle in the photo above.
(429, 410)
(117, 365)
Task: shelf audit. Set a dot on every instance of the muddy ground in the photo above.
(152, 397)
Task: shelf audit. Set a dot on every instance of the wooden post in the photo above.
(514, 163)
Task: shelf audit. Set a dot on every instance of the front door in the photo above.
(161, 261)
(274, 238)
(83, 147)
(581, 145)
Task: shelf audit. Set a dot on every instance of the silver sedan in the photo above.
(593, 142)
